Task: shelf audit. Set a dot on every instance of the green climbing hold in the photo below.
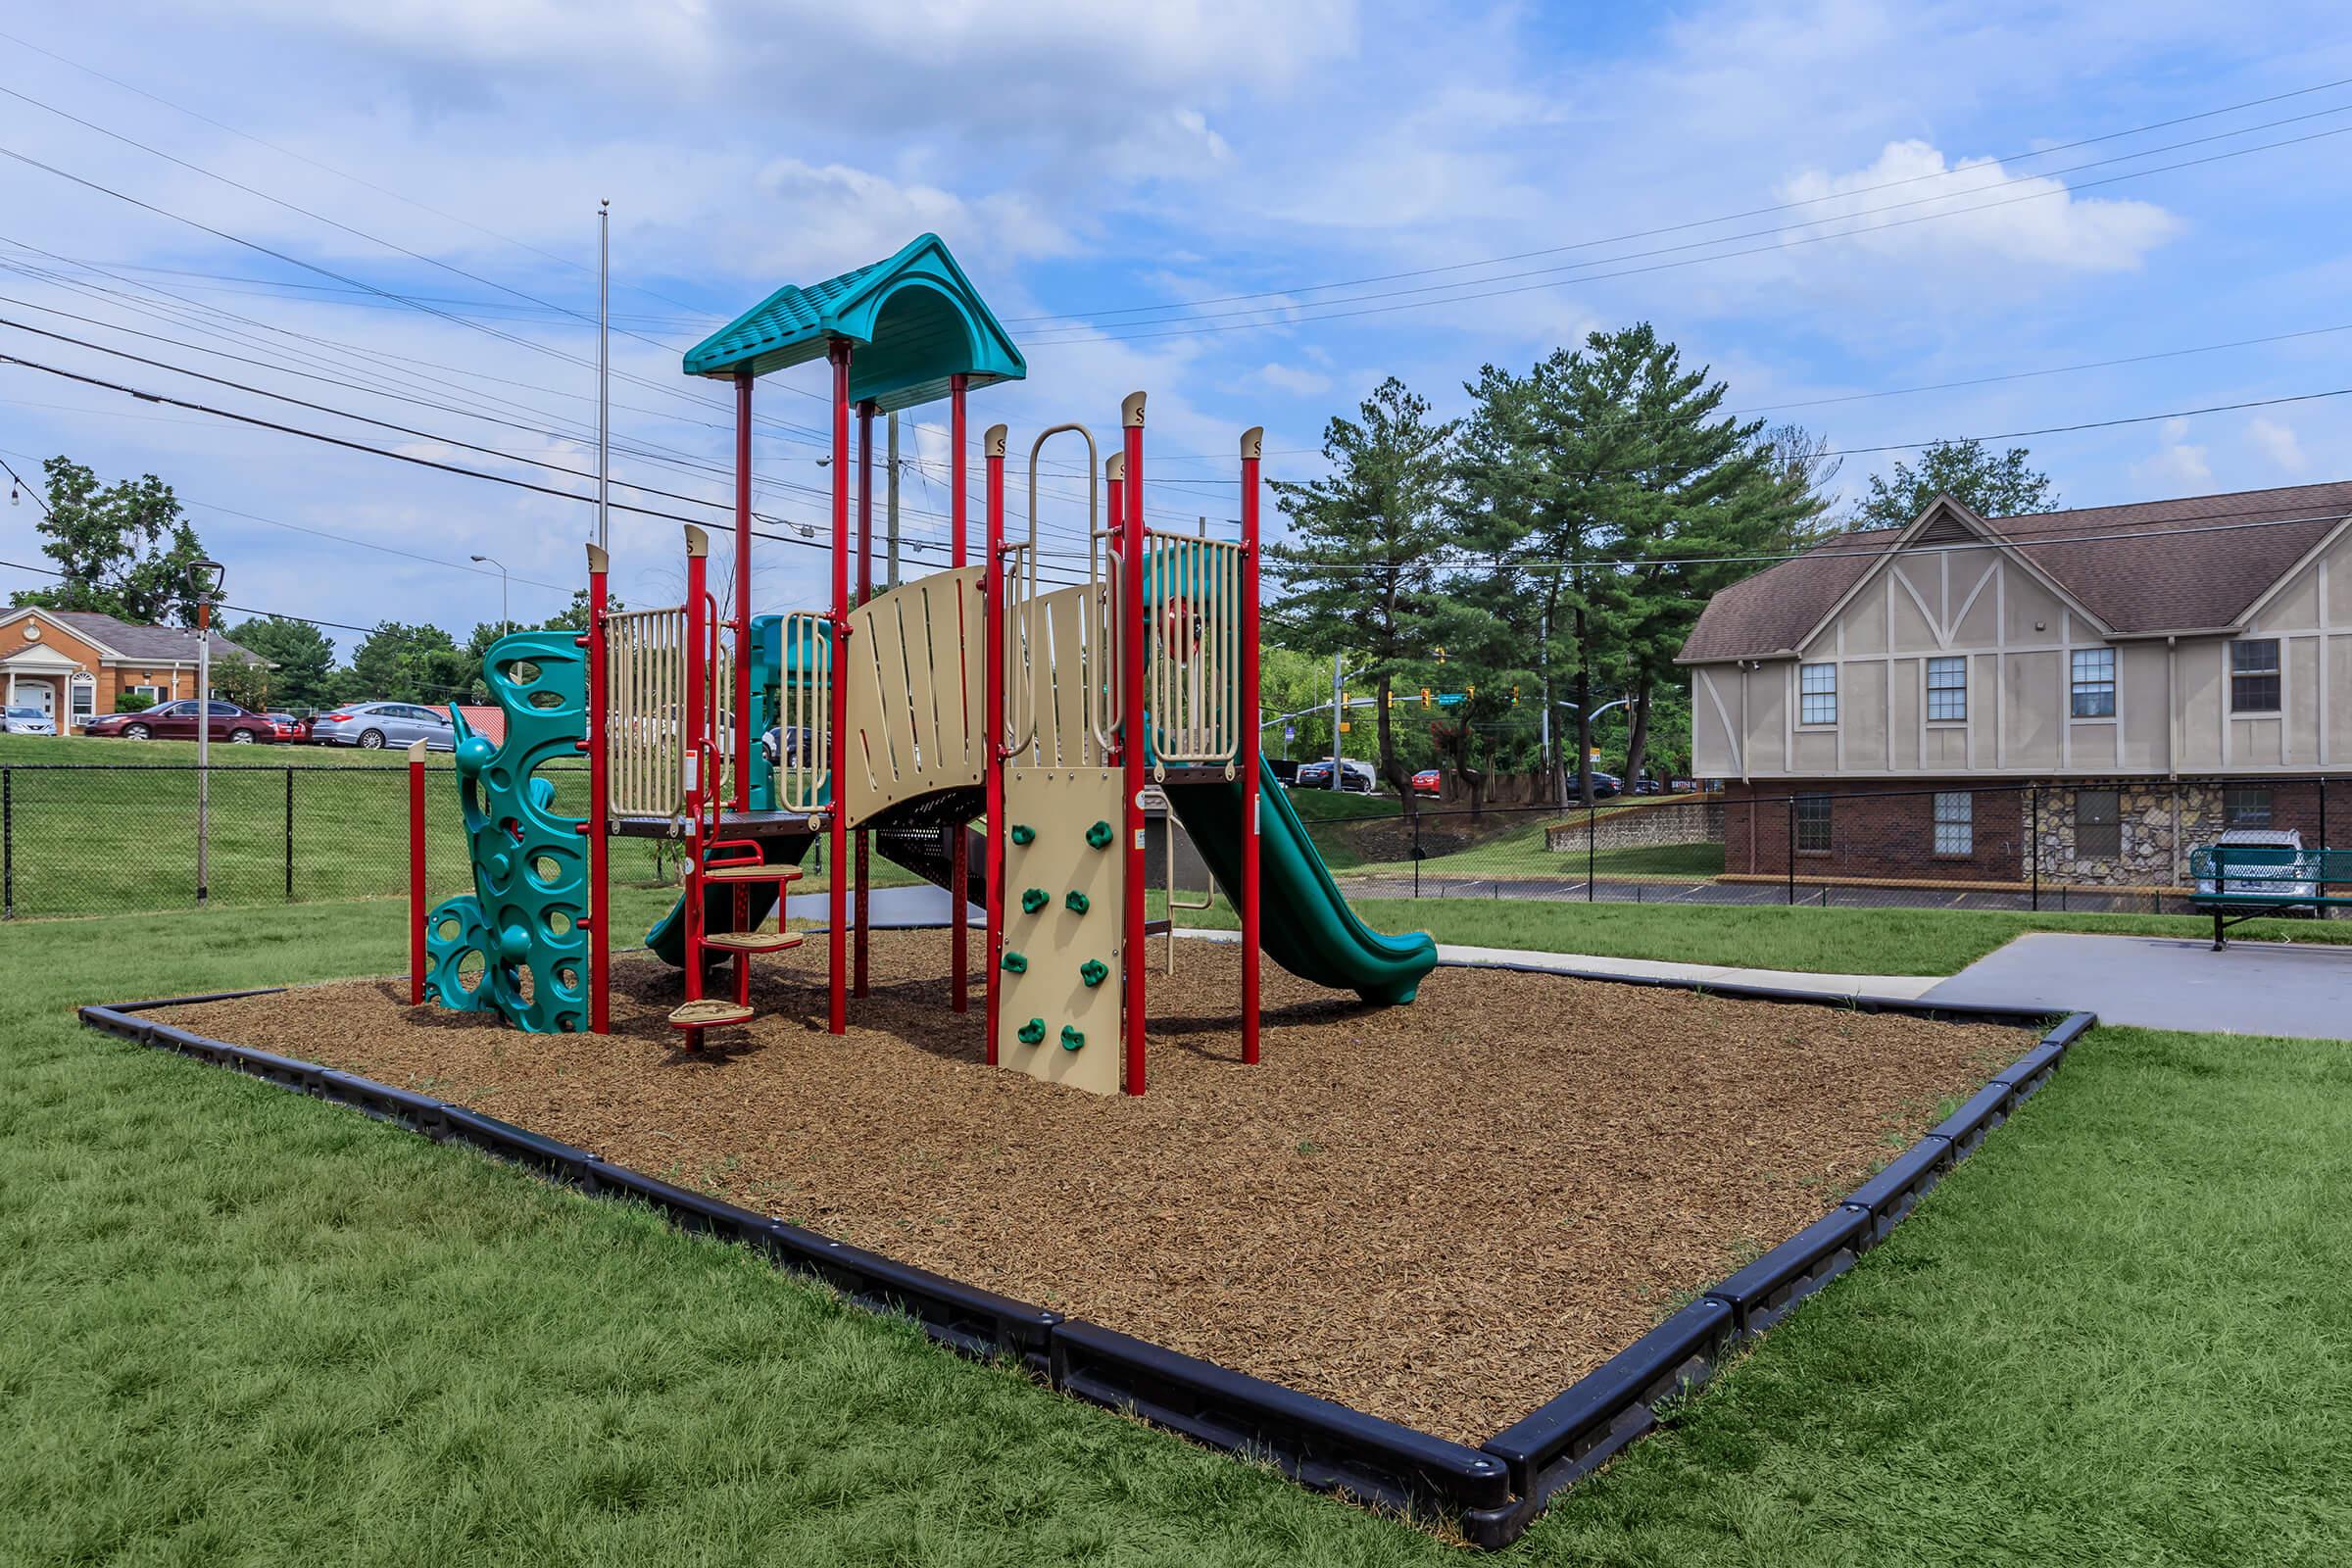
(1097, 837)
(1023, 833)
(1015, 964)
(1071, 1037)
(1034, 899)
(1093, 971)
(1075, 902)
(1032, 1033)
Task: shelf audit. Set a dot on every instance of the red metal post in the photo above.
(1252, 741)
(742, 594)
(697, 708)
(837, 831)
(1132, 621)
(862, 919)
(417, 910)
(995, 756)
(599, 803)
(959, 871)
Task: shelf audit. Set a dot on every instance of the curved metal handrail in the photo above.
(1020, 629)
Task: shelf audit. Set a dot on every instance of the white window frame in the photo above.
(1955, 692)
(82, 701)
(2099, 681)
(1955, 831)
(153, 692)
(2274, 673)
(1808, 694)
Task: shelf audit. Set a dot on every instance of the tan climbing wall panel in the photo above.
(1056, 942)
(915, 701)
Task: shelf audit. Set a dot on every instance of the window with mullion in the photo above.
(2094, 683)
(2254, 675)
(1947, 690)
(1817, 694)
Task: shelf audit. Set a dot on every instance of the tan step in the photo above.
(707, 1013)
(755, 940)
(752, 873)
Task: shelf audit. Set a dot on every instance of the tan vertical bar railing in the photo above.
(808, 715)
(645, 675)
(1192, 649)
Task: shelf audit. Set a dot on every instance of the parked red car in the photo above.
(1429, 782)
(176, 721)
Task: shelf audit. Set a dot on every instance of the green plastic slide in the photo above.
(1306, 926)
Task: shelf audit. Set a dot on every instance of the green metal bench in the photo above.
(2240, 882)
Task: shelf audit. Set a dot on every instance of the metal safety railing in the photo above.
(1193, 650)
(804, 748)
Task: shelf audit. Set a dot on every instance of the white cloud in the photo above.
(2275, 440)
(1912, 202)
(1287, 379)
(2176, 466)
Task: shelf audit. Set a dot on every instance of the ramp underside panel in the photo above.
(914, 699)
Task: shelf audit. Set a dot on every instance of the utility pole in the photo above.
(205, 577)
(1339, 714)
(890, 493)
(603, 372)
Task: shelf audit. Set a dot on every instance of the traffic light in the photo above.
(1514, 694)
(1440, 656)
(1424, 697)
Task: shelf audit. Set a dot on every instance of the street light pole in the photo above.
(203, 579)
(505, 621)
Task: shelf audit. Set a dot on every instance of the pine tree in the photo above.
(1359, 572)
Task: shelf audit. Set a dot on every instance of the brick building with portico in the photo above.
(75, 665)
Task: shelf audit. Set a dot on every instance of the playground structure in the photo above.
(896, 733)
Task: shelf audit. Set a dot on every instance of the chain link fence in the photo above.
(108, 839)
(2120, 847)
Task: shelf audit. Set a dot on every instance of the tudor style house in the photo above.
(2081, 695)
(74, 665)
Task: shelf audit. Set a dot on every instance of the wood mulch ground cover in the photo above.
(1441, 1214)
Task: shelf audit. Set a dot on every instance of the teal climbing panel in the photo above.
(515, 946)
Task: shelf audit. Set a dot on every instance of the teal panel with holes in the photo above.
(515, 946)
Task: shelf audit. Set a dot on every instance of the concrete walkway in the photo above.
(1839, 986)
(2267, 988)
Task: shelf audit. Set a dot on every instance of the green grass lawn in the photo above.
(246, 1324)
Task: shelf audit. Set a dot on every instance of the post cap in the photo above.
(697, 543)
(416, 751)
(992, 443)
(598, 561)
(1131, 410)
(1114, 468)
(1253, 442)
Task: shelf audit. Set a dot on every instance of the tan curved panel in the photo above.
(915, 694)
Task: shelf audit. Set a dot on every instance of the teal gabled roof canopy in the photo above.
(912, 322)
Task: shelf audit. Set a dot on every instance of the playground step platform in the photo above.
(755, 940)
(765, 872)
(709, 1012)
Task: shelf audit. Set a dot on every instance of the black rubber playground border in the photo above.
(1492, 1492)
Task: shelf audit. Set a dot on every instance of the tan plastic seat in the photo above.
(707, 1013)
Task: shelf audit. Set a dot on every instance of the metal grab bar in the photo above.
(1021, 631)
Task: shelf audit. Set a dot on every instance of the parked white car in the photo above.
(2275, 868)
(25, 721)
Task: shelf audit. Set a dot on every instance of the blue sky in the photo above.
(1093, 165)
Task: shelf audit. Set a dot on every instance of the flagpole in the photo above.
(603, 369)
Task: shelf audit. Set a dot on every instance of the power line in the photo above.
(22, 484)
(1213, 327)
(1673, 228)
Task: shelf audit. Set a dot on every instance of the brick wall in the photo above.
(1876, 833)
(1873, 834)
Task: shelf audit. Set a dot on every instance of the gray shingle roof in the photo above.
(162, 644)
(2179, 565)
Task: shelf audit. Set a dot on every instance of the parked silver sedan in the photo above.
(372, 726)
(25, 720)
